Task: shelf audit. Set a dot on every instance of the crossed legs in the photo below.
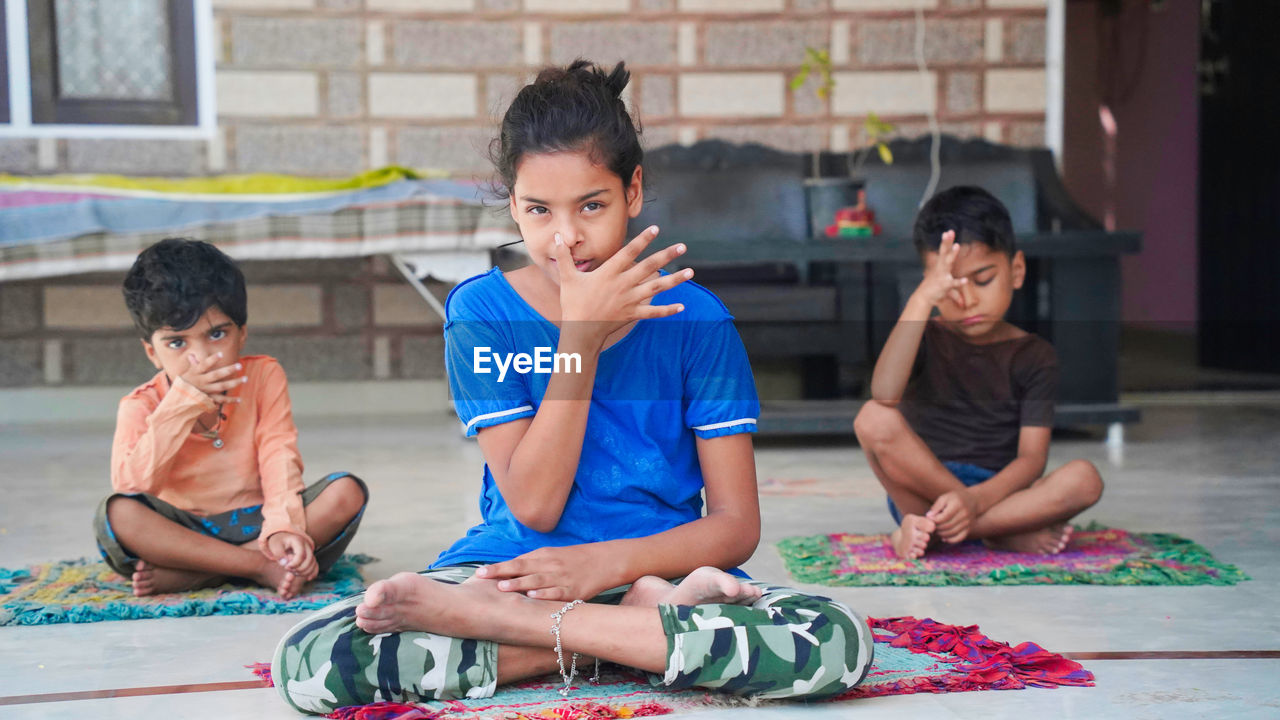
(443, 634)
(1029, 520)
(173, 558)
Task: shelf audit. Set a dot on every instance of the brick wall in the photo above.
(332, 87)
(323, 319)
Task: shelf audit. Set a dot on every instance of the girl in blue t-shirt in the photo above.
(607, 396)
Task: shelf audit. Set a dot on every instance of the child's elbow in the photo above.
(538, 519)
(528, 500)
(746, 538)
(747, 546)
(889, 397)
(888, 400)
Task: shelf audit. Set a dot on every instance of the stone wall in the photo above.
(332, 87)
(323, 319)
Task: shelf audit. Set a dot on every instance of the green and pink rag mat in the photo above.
(911, 656)
(1096, 555)
(79, 591)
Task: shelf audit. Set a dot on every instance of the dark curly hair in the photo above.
(973, 213)
(173, 283)
(575, 108)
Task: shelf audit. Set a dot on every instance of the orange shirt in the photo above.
(156, 452)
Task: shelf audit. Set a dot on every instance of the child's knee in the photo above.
(849, 650)
(1085, 481)
(876, 424)
(307, 666)
(348, 495)
(354, 493)
(123, 510)
(109, 515)
(327, 662)
(830, 651)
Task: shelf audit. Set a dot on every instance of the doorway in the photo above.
(1239, 233)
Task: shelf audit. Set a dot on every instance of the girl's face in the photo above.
(582, 201)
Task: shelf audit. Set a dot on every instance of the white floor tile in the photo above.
(1210, 473)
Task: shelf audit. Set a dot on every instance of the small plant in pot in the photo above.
(839, 194)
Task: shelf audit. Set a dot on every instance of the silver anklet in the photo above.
(573, 664)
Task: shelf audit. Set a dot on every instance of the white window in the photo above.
(106, 68)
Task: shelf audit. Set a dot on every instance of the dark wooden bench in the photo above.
(831, 302)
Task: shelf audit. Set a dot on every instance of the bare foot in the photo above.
(708, 585)
(274, 575)
(1045, 541)
(290, 585)
(149, 579)
(408, 601)
(912, 537)
(646, 591)
(704, 586)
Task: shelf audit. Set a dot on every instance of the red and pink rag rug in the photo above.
(911, 656)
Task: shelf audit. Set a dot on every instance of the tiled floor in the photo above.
(1208, 472)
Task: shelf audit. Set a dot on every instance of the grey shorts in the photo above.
(233, 526)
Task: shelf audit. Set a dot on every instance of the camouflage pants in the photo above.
(787, 644)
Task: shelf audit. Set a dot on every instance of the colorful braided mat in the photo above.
(911, 656)
(79, 591)
(1096, 555)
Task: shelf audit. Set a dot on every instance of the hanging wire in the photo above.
(935, 148)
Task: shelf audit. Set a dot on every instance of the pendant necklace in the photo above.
(213, 433)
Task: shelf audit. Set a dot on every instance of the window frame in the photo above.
(4, 69)
(49, 109)
(31, 78)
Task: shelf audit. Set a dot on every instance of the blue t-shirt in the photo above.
(666, 382)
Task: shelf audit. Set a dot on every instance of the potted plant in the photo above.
(827, 196)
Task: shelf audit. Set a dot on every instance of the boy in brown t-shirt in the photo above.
(957, 428)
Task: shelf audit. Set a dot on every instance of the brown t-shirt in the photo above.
(967, 402)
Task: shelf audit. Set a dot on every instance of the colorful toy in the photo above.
(856, 221)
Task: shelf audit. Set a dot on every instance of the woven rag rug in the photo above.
(1096, 555)
(79, 591)
(911, 656)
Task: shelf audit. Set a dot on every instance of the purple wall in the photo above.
(1157, 146)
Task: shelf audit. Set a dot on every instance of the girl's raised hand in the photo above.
(620, 291)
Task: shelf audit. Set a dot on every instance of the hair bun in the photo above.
(589, 73)
(617, 79)
(574, 108)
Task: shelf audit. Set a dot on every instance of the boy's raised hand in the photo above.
(294, 553)
(620, 290)
(938, 283)
(216, 382)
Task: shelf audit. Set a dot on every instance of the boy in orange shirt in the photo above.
(205, 468)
